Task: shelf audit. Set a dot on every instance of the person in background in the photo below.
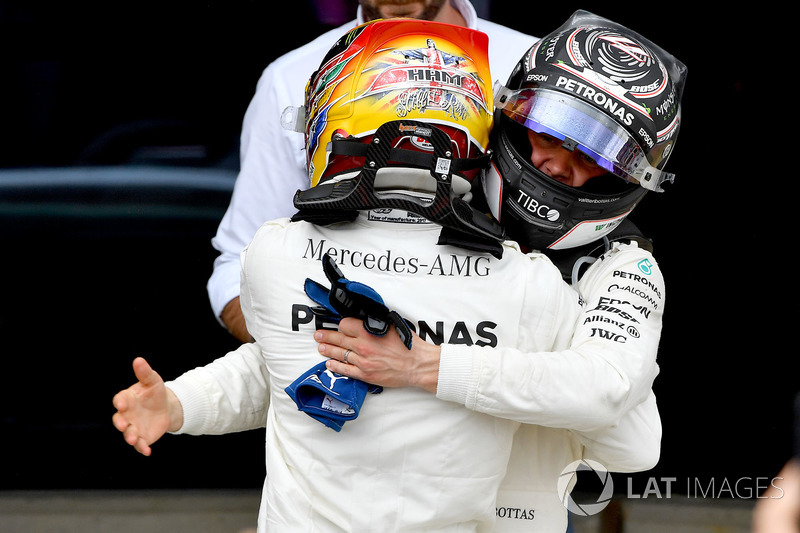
(777, 509)
(272, 159)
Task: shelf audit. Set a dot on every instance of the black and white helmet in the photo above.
(604, 90)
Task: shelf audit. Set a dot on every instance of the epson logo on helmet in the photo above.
(541, 78)
(646, 137)
(532, 205)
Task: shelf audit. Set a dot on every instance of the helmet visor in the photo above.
(581, 127)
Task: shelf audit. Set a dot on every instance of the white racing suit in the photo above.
(573, 372)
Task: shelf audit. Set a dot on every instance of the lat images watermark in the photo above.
(568, 478)
(744, 487)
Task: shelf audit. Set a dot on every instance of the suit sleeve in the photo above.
(633, 445)
(229, 394)
(587, 384)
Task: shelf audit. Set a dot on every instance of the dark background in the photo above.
(100, 267)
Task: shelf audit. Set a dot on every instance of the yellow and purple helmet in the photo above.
(398, 116)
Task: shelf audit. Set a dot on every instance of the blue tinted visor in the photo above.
(583, 127)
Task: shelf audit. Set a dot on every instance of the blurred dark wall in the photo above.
(76, 75)
(83, 83)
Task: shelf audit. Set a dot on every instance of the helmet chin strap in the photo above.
(359, 193)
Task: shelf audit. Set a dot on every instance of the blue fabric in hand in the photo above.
(329, 397)
(324, 395)
(353, 299)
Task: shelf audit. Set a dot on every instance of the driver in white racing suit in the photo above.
(543, 150)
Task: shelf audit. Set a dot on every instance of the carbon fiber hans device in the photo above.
(359, 193)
